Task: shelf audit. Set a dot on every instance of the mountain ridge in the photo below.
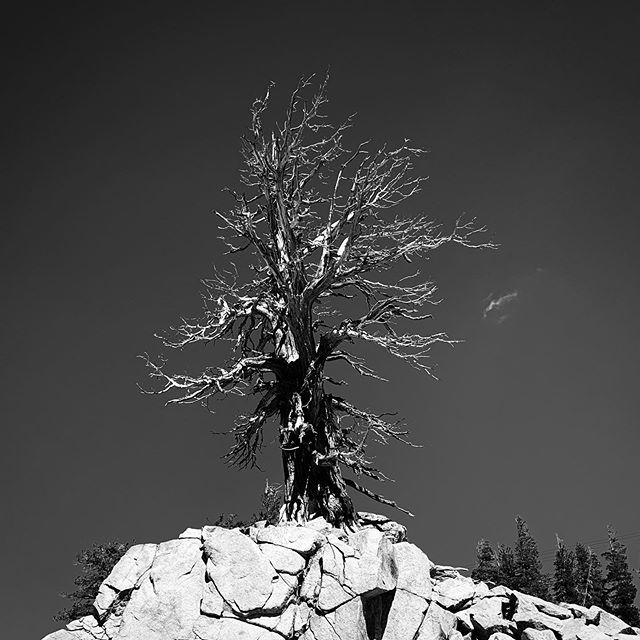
(315, 582)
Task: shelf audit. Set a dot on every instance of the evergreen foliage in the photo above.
(577, 577)
(564, 576)
(589, 579)
(620, 590)
(97, 562)
(269, 511)
(95, 565)
(529, 576)
(506, 572)
(486, 568)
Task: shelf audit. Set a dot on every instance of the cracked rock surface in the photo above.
(315, 582)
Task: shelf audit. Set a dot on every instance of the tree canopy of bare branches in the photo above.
(314, 217)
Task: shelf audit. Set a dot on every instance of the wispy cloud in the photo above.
(499, 308)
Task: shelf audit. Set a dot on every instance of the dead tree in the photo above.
(313, 216)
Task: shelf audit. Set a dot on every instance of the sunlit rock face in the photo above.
(316, 583)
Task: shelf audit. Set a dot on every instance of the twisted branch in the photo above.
(312, 218)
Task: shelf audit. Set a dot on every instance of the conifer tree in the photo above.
(506, 567)
(529, 576)
(621, 592)
(486, 568)
(589, 580)
(564, 577)
(269, 511)
(95, 565)
(311, 227)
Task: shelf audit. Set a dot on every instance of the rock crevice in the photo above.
(315, 582)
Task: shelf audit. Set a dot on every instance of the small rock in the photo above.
(125, 575)
(405, 616)
(528, 615)
(610, 624)
(579, 611)
(367, 517)
(554, 610)
(319, 524)
(452, 593)
(442, 571)
(438, 624)
(538, 634)
(283, 560)
(500, 636)
(547, 607)
(242, 574)
(414, 569)
(577, 629)
(486, 615)
(87, 625)
(392, 530)
(300, 539)
(374, 571)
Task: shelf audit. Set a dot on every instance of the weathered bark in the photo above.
(313, 480)
(312, 490)
(314, 217)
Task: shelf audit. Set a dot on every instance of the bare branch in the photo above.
(322, 264)
(375, 496)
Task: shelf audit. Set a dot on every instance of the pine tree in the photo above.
(621, 592)
(95, 565)
(486, 568)
(589, 580)
(564, 577)
(313, 222)
(506, 567)
(529, 576)
(270, 507)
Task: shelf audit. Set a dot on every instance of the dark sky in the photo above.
(122, 125)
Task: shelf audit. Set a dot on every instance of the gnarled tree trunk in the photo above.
(313, 216)
(313, 480)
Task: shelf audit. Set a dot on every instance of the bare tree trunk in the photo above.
(311, 490)
(313, 483)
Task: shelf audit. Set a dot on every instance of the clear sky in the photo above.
(121, 127)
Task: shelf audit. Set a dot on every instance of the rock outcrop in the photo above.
(316, 583)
